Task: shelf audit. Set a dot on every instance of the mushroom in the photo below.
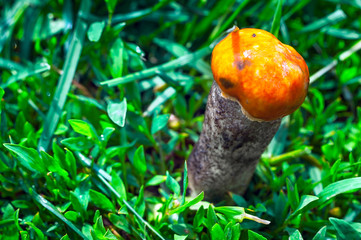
(258, 80)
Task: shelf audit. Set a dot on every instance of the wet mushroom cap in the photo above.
(269, 79)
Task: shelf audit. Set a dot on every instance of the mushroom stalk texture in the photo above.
(227, 152)
(258, 80)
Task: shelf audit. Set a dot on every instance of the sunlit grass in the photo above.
(103, 101)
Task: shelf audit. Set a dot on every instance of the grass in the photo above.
(102, 102)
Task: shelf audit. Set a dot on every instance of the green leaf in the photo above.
(339, 187)
(16, 219)
(71, 215)
(140, 203)
(78, 143)
(277, 19)
(76, 203)
(99, 229)
(295, 235)
(217, 232)
(117, 112)
(211, 217)
(344, 230)
(172, 184)
(116, 58)
(179, 237)
(101, 201)
(82, 127)
(180, 229)
(139, 160)
(321, 234)
(111, 5)
(107, 133)
(65, 237)
(292, 194)
(71, 163)
(95, 31)
(199, 217)
(53, 164)
(87, 230)
(304, 202)
(236, 232)
(80, 197)
(156, 180)
(188, 204)
(255, 236)
(45, 203)
(38, 232)
(118, 185)
(8, 211)
(28, 157)
(109, 235)
(120, 222)
(159, 122)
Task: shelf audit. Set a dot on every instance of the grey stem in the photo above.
(229, 147)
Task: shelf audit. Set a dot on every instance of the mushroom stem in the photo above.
(228, 149)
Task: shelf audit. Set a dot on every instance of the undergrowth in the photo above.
(102, 102)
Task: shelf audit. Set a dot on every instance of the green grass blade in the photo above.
(11, 17)
(188, 204)
(88, 163)
(150, 72)
(31, 16)
(106, 178)
(179, 50)
(294, 9)
(229, 21)
(87, 101)
(130, 208)
(49, 206)
(331, 19)
(27, 72)
(220, 8)
(66, 79)
(277, 19)
(347, 34)
(343, 56)
(159, 100)
(130, 17)
(8, 64)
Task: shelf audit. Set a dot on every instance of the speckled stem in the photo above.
(226, 155)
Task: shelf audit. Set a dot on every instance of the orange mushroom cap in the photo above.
(267, 78)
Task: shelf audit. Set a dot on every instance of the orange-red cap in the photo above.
(269, 79)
